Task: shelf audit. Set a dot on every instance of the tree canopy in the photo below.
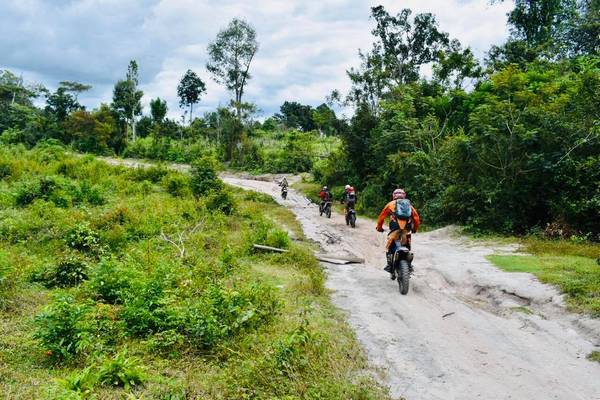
(231, 55)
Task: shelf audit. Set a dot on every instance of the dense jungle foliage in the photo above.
(100, 297)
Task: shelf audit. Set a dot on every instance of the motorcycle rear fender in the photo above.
(401, 248)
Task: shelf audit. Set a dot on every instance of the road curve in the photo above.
(461, 332)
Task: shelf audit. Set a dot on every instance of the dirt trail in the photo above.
(461, 332)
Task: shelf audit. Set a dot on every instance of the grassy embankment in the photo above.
(571, 266)
(120, 283)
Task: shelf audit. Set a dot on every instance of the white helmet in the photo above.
(346, 187)
(399, 194)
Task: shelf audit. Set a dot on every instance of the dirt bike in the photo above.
(284, 191)
(351, 216)
(401, 266)
(325, 209)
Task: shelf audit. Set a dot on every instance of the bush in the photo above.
(264, 233)
(153, 174)
(121, 371)
(60, 191)
(222, 312)
(277, 238)
(69, 271)
(204, 177)
(81, 382)
(60, 328)
(166, 342)
(147, 309)
(83, 238)
(91, 194)
(176, 184)
(111, 281)
(29, 191)
(6, 169)
(221, 200)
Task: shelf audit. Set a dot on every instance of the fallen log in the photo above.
(332, 260)
(269, 248)
(328, 258)
(348, 259)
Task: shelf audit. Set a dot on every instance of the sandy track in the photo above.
(485, 348)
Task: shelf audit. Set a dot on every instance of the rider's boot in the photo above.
(389, 267)
(410, 264)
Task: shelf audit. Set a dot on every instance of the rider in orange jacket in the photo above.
(399, 227)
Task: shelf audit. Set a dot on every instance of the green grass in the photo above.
(576, 276)
(169, 299)
(594, 356)
(536, 245)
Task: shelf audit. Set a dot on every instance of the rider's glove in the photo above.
(379, 229)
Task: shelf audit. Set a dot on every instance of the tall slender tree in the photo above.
(230, 55)
(189, 90)
(127, 97)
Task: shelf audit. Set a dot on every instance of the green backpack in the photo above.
(403, 209)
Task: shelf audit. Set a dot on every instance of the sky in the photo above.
(306, 46)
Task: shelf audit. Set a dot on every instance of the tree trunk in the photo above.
(191, 111)
(133, 130)
(238, 106)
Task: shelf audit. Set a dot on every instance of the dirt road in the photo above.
(465, 330)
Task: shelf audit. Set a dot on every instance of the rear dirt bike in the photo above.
(351, 216)
(284, 191)
(401, 260)
(325, 209)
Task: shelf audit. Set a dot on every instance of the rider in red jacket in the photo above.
(325, 196)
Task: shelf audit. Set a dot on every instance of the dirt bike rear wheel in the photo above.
(353, 220)
(403, 277)
(328, 212)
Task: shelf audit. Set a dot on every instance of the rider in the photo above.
(325, 196)
(404, 220)
(283, 183)
(349, 199)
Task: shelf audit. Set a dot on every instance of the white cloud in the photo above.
(305, 46)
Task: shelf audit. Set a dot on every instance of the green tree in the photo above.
(540, 29)
(456, 64)
(158, 110)
(403, 44)
(230, 55)
(189, 90)
(13, 90)
(324, 119)
(584, 30)
(75, 87)
(90, 132)
(127, 98)
(538, 22)
(296, 116)
(61, 103)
